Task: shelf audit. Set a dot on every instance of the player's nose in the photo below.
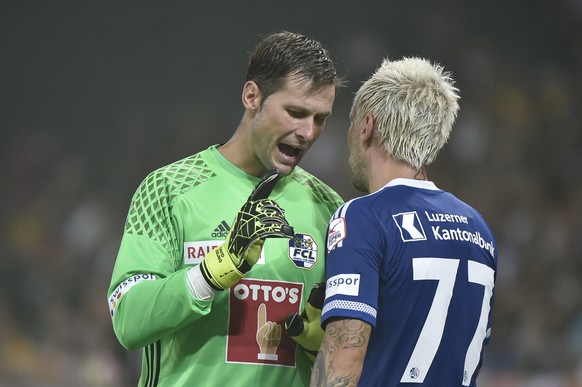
(308, 131)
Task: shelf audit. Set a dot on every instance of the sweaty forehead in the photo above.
(304, 84)
(304, 95)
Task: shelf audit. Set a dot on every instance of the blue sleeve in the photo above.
(355, 246)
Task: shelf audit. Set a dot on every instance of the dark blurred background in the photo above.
(95, 94)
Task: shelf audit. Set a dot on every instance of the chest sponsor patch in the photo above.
(303, 251)
(257, 313)
(194, 252)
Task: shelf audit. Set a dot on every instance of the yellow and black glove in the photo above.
(305, 328)
(259, 218)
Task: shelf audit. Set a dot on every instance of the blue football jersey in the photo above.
(419, 265)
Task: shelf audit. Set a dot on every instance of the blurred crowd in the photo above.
(515, 154)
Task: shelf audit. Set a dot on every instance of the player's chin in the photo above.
(285, 164)
(285, 168)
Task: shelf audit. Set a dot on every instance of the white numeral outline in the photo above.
(444, 270)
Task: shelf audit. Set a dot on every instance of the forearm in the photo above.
(154, 309)
(341, 356)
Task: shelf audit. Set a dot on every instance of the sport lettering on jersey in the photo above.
(346, 284)
(258, 338)
(124, 287)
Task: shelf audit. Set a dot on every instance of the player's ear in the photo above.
(251, 96)
(367, 129)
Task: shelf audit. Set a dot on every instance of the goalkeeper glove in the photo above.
(259, 218)
(305, 328)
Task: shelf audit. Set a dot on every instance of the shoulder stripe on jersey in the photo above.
(344, 209)
(340, 213)
(153, 355)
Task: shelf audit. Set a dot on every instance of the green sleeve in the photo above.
(148, 297)
(155, 309)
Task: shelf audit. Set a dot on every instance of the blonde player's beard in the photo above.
(358, 174)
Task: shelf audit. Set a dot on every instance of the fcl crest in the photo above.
(303, 251)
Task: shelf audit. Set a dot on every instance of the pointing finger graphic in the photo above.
(268, 335)
(261, 316)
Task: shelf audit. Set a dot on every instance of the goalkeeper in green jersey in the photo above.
(220, 250)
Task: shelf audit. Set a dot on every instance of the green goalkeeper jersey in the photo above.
(177, 215)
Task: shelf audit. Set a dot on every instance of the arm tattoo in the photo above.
(341, 356)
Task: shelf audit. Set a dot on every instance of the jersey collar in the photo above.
(424, 184)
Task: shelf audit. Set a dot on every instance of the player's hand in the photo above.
(305, 328)
(258, 219)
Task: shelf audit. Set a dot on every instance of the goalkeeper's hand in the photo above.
(305, 328)
(259, 218)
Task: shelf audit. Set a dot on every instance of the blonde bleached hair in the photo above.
(414, 104)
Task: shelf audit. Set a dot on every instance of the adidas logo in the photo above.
(221, 230)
